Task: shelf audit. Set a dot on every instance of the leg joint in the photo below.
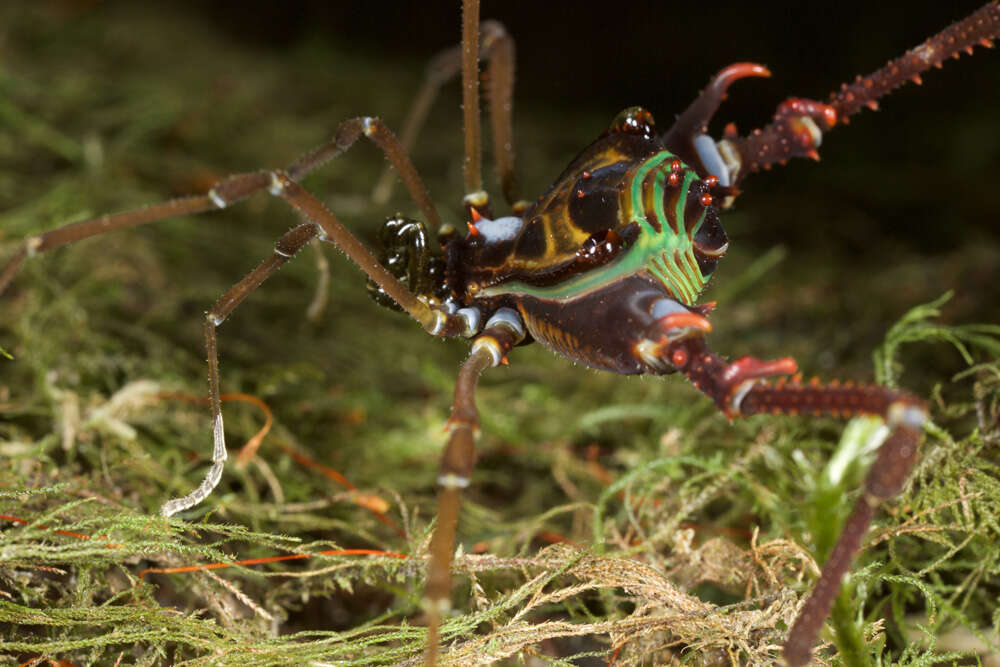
(279, 181)
(452, 480)
(233, 189)
(32, 245)
(490, 345)
(905, 413)
(217, 199)
(471, 318)
(509, 319)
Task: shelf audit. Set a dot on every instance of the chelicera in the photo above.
(605, 268)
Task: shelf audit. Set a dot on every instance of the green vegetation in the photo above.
(687, 539)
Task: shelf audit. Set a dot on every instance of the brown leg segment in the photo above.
(496, 47)
(489, 349)
(499, 49)
(437, 322)
(78, 231)
(738, 390)
(373, 128)
(286, 247)
(470, 97)
(322, 223)
(238, 187)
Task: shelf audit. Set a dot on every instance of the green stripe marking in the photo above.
(652, 252)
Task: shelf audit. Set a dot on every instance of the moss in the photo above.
(686, 534)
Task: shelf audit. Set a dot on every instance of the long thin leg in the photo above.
(496, 47)
(322, 223)
(286, 247)
(470, 98)
(738, 390)
(499, 47)
(503, 331)
(78, 231)
(240, 186)
(905, 417)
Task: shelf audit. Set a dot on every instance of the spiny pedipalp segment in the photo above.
(886, 477)
(796, 131)
(978, 29)
(904, 414)
(788, 135)
(792, 397)
(725, 383)
(739, 389)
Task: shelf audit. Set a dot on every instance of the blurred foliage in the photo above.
(681, 537)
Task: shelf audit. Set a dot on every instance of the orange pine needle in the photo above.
(218, 566)
(249, 450)
(68, 533)
(270, 559)
(374, 504)
(371, 502)
(554, 538)
(325, 470)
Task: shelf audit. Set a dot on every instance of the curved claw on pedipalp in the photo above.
(684, 324)
(694, 120)
(749, 368)
(697, 115)
(731, 73)
(741, 376)
(663, 340)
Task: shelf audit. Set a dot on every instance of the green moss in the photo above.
(662, 495)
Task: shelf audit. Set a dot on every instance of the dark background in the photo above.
(600, 57)
(597, 53)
